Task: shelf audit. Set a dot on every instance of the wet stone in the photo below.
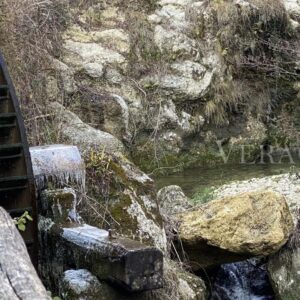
(79, 284)
(59, 205)
(83, 285)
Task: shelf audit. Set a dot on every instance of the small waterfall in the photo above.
(247, 280)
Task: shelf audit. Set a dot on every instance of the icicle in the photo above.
(59, 165)
(73, 214)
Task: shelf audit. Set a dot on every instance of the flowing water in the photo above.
(246, 280)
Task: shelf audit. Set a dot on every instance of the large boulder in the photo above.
(285, 184)
(284, 269)
(249, 224)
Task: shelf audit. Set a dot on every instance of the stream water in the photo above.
(197, 179)
(246, 280)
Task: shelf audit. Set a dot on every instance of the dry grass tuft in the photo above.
(30, 35)
(257, 49)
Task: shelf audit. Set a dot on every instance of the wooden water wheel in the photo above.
(17, 191)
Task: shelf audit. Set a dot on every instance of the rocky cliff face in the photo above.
(169, 78)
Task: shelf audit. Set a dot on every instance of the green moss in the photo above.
(201, 156)
(118, 211)
(173, 163)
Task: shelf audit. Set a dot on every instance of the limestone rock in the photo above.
(172, 200)
(95, 70)
(189, 69)
(107, 112)
(147, 227)
(168, 117)
(116, 39)
(254, 133)
(83, 135)
(188, 81)
(170, 141)
(293, 8)
(174, 13)
(249, 224)
(116, 117)
(191, 287)
(173, 42)
(180, 284)
(284, 269)
(113, 76)
(79, 54)
(110, 16)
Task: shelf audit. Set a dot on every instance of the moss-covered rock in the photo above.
(128, 196)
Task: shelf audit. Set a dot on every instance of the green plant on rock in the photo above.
(203, 196)
(98, 161)
(22, 221)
